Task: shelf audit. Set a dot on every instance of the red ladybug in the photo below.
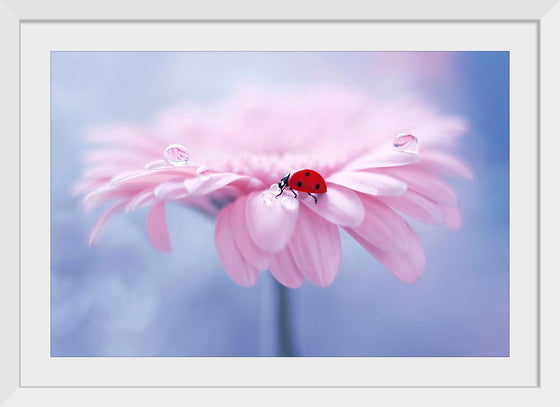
(303, 180)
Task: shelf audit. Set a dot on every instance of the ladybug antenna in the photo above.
(283, 183)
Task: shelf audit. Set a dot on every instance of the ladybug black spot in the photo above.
(307, 173)
(299, 183)
(317, 186)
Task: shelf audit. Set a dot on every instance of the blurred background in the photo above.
(124, 298)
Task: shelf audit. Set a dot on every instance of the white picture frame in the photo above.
(545, 14)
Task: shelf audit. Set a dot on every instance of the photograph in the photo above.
(280, 204)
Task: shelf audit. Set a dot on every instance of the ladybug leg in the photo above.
(293, 192)
(281, 192)
(313, 196)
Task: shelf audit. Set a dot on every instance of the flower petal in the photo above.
(171, 190)
(445, 164)
(416, 206)
(99, 196)
(451, 217)
(427, 184)
(157, 228)
(157, 165)
(442, 133)
(154, 176)
(407, 267)
(369, 182)
(271, 221)
(283, 267)
(140, 200)
(256, 256)
(102, 222)
(316, 248)
(208, 183)
(85, 185)
(338, 205)
(382, 226)
(231, 258)
(383, 156)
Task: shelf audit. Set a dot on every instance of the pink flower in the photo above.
(238, 152)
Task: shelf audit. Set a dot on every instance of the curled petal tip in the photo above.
(233, 261)
(269, 221)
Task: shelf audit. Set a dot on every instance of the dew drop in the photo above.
(203, 173)
(176, 154)
(275, 189)
(267, 197)
(406, 143)
(202, 170)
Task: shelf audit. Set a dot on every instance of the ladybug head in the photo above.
(284, 181)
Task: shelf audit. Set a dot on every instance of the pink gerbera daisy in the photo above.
(379, 160)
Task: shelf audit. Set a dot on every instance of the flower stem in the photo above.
(286, 346)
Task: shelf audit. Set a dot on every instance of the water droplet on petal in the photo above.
(275, 189)
(406, 143)
(267, 197)
(289, 203)
(176, 154)
(202, 170)
(203, 173)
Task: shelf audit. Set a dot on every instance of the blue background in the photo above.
(124, 298)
